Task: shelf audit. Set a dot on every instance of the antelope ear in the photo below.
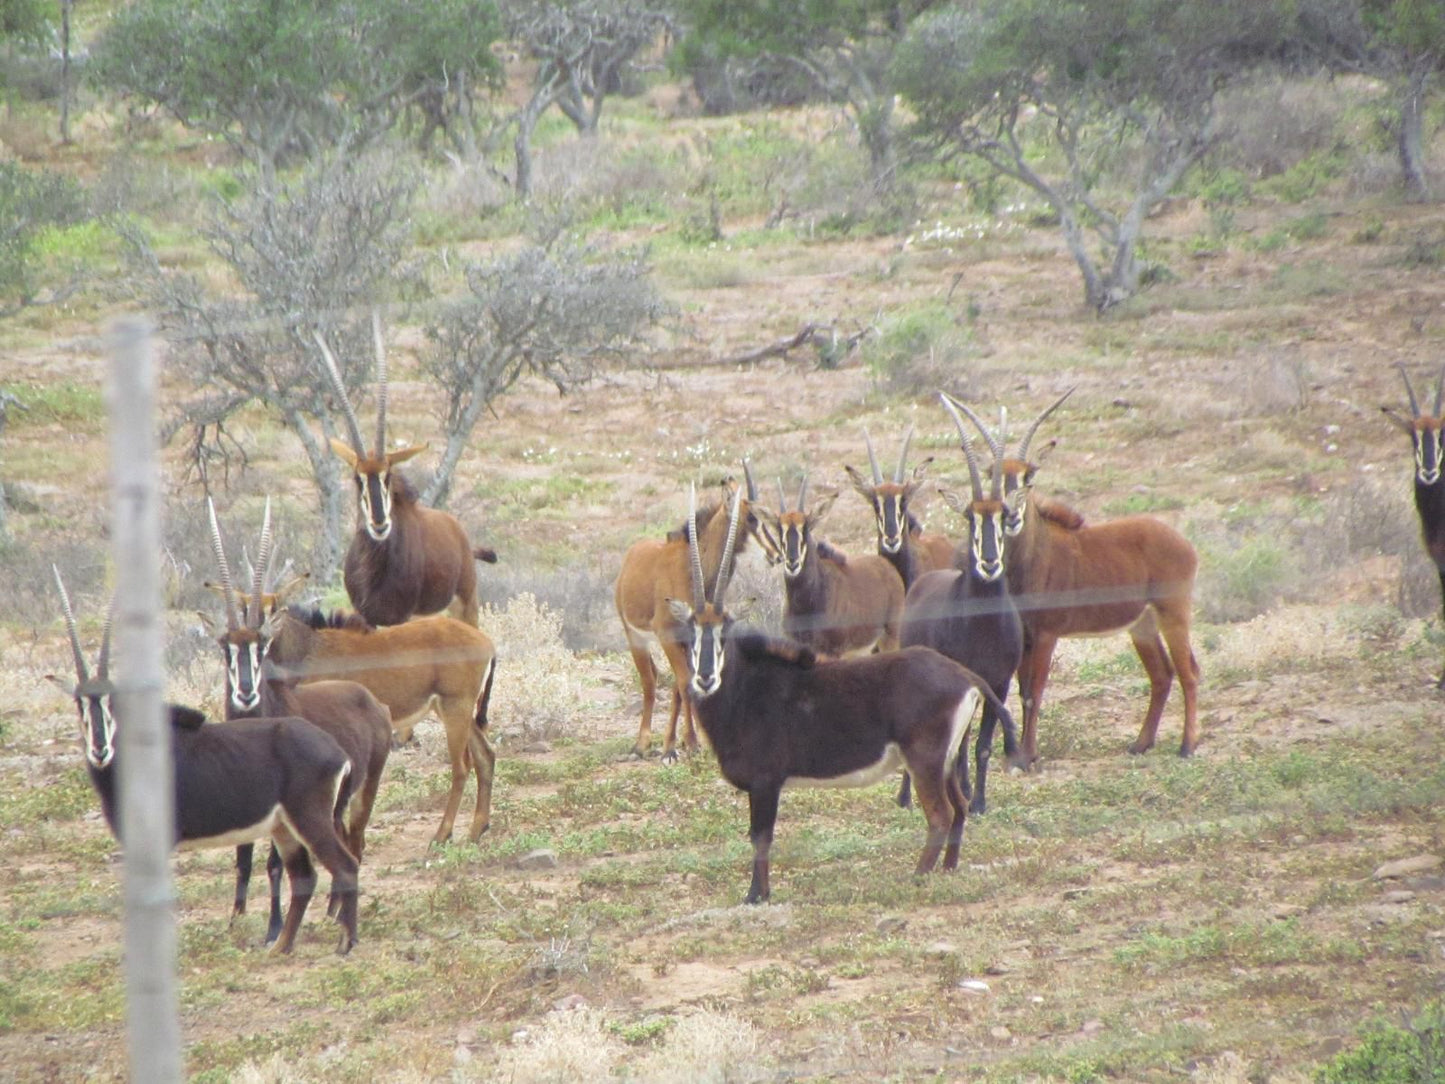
(393, 458)
(282, 595)
(681, 611)
(1044, 453)
(859, 482)
(62, 684)
(918, 470)
(186, 718)
(767, 515)
(1399, 419)
(344, 452)
(822, 506)
(208, 621)
(954, 501)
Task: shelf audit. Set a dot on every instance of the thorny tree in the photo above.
(313, 255)
(555, 309)
(1119, 93)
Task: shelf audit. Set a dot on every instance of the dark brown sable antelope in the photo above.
(835, 604)
(901, 537)
(1424, 431)
(257, 688)
(654, 570)
(776, 715)
(428, 664)
(1069, 579)
(233, 782)
(968, 614)
(405, 559)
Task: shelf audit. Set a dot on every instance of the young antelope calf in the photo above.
(776, 715)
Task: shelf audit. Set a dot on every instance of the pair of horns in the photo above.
(975, 478)
(102, 664)
(898, 473)
(699, 590)
(334, 371)
(996, 446)
(802, 497)
(1410, 391)
(265, 558)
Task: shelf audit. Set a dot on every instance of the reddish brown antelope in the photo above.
(233, 782)
(776, 715)
(967, 613)
(428, 664)
(901, 538)
(1424, 431)
(1069, 579)
(653, 571)
(257, 688)
(405, 559)
(835, 604)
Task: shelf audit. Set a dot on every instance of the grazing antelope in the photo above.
(1069, 579)
(655, 570)
(966, 613)
(834, 604)
(901, 538)
(428, 664)
(775, 715)
(233, 782)
(405, 559)
(1425, 434)
(257, 687)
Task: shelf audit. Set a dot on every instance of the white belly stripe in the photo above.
(885, 765)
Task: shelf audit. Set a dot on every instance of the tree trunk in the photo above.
(1096, 287)
(522, 146)
(1412, 139)
(332, 491)
(875, 129)
(65, 6)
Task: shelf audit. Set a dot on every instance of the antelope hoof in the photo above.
(755, 898)
(1138, 749)
(669, 757)
(977, 808)
(480, 832)
(345, 945)
(1019, 762)
(1186, 750)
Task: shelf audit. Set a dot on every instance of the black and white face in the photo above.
(94, 703)
(1427, 450)
(793, 537)
(245, 651)
(1018, 483)
(889, 502)
(706, 647)
(374, 494)
(986, 520)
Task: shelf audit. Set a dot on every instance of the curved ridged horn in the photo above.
(1440, 391)
(339, 385)
(102, 661)
(996, 450)
(724, 572)
(872, 459)
(1023, 452)
(803, 494)
(903, 456)
(81, 674)
(996, 482)
(380, 383)
(263, 559)
(220, 550)
(975, 480)
(782, 499)
(694, 554)
(1409, 390)
(752, 485)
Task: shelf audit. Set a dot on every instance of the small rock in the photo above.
(1399, 895)
(1001, 1033)
(1075, 893)
(973, 986)
(466, 1036)
(1403, 867)
(542, 858)
(1092, 1027)
(810, 963)
(537, 747)
(889, 924)
(940, 949)
(569, 1003)
(462, 1055)
(1286, 910)
(1036, 1000)
(1122, 403)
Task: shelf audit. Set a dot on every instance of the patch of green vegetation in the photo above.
(66, 402)
(551, 496)
(1136, 503)
(1306, 178)
(1410, 1052)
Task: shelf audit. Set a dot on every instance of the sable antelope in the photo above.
(655, 570)
(901, 538)
(966, 613)
(775, 714)
(835, 604)
(428, 664)
(1069, 579)
(233, 782)
(257, 687)
(405, 559)
(1425, 434)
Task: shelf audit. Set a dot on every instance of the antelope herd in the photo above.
(883, 661)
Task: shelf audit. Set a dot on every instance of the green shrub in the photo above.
(1410, 1053)
(30, 201)
(922, 350)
